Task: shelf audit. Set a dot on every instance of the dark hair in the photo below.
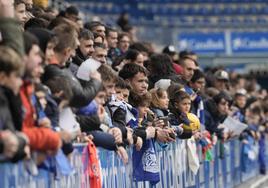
(132, 55)
(58, 84)
(55, 22)
(122, 84)
(222, 95)
(91, 25)
(161, 64)
(179, 96)
(182, 60)
(137, 100)
(36, 22)
(17, 2)
(186, 53)
(140, 47)
(108, 30)
(29, 41)
(40, 87)
(130, 70)
(44, 36)
(197, 75)
(256, 110)
(123, 34)
(86, 34)
(72, 10)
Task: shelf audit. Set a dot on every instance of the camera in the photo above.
(165, 119)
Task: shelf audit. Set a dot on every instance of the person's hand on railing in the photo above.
(84, 138)
(163, 135)
(214, 140)
(27, 149)
(197, 135)
(159, 123)
(139, 143)
(121, 151)
(10, 143)
(130, 136)
(117, 134)
(40, 157)
(150, 132)
(7, 8)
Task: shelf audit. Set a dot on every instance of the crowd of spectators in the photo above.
(117, 90)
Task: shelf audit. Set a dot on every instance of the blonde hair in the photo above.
(157, 94)
(10, 61)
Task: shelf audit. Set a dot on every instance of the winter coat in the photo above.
(213, 118)
(8, 113)
(176, 118)
(12, 35)
(40, 138)
(83, 92)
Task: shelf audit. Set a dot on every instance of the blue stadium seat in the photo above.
(261, 20)
(199, 11)
(222, 20)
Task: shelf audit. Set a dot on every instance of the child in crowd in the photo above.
(180, 105)
(145, 162)
(159, 106)
(13, 145)
(122, 90)
(160, 102)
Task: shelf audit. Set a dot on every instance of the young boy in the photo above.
(20, 11)
(12, 144)
(122, 90)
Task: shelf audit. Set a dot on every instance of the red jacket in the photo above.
(41, 138)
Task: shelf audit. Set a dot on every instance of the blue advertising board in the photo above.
(202, 42)
(249, 42)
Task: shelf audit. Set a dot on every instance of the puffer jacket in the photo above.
(41, 138)
(83, 91)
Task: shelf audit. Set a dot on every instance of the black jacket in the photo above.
(176, 118)
(79, 58)
(213, 118)
(10, 113)
(83, 92)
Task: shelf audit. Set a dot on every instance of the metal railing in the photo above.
(224, 171)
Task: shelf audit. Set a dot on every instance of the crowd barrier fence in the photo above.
(222, 172)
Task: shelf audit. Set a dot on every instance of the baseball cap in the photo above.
(221, 75)
(241, 92)
(170, 50)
